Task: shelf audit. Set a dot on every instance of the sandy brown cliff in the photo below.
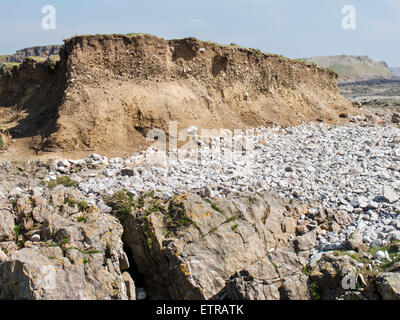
(107, 91)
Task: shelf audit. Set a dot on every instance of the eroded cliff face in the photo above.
(108, 91)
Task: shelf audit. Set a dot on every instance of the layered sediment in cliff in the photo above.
(106, 92)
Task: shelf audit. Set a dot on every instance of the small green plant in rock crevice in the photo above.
(83, 206)
(81, 219)
(214, 206)
(230, 219)
(176, 217)
(63, 245)
(17, 230)
(121, 202)
(314, 289)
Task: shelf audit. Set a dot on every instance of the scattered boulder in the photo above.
(389, 285)
(389, 195)
(354, 241)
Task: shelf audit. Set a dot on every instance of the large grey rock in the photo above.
(389, 285)
(73, 258)
(7, 225)
(259, 281)
(306, 242)
(212, 241)
(275, 277)
(389, 195)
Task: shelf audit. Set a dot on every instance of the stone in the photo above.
(396, 118)
(312, 211)
(380, 255)
(35, 238)
(342, 218)
(192, 130)
(389, 286)
(36, 191)
(127, 171)
(389, 195)
(334, 227)
(359, 202)
(354, 241)
(226, 235)
(3, 257)
(301, 229)
(286, 261)
(206, 192)
(90, 268)
(7, 225)
(95, 157)
(130, 286)
(108, 173)
(141, 294)
(306, 242)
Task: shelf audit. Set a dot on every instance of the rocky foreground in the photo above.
(309, 212)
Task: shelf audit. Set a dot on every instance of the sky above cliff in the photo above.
(294, 28)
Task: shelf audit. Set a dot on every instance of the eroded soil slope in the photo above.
(106, 92)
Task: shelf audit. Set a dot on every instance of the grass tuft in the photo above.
(64, 180)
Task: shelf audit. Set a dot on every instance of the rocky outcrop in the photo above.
(40, 51)
(389, 287)
(57, 246)
(188, 247)
(108, 91)
(275, 277)
(59, 243)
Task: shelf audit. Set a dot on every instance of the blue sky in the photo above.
(294, 28)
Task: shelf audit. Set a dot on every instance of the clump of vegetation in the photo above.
(315, 290)
(176, 216)
(214, 206)
(63, 245)
(83, 206)
(275, 267)
(354, 255)
(382, 265)
(34, 59)
(81, 219)
(64, 180)
(1, 142)
(230, 219)
(17, 230)
(13, 114)
(122, 202)
(234, 227)
(52, 61)
(307, 270)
